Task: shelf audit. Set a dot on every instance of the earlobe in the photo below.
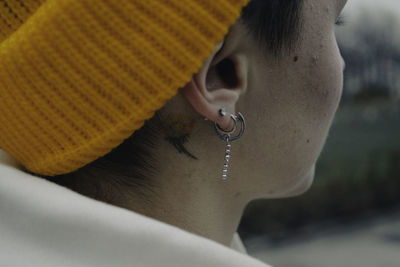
(219, 83)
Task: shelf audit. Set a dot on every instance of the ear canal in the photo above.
(222, 75)
(226, 70)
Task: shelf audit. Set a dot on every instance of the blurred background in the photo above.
(351, 215)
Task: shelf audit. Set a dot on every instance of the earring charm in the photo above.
(226, 136)
(227, 157)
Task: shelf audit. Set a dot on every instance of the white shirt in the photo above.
(44, 224)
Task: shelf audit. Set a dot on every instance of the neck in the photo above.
(199, 210)
(193, 197)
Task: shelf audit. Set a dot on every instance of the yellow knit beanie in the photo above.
(78, 77)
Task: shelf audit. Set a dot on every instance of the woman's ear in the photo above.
(219, 83)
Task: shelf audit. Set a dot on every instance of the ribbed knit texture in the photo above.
(78, 77)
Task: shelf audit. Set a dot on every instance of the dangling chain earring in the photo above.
(226, 136)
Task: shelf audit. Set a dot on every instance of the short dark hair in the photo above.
(274, 23)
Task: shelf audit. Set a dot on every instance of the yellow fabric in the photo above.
(78, 77)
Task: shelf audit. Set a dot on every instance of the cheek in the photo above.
(324, 82)
(316, 96)
(290, 110)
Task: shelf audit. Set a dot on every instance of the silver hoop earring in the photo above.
(226, 136)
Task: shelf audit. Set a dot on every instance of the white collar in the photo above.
(44, 224)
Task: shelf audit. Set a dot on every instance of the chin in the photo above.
(301, 186)
(304, 184)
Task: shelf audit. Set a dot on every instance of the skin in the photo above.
(288, 104)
